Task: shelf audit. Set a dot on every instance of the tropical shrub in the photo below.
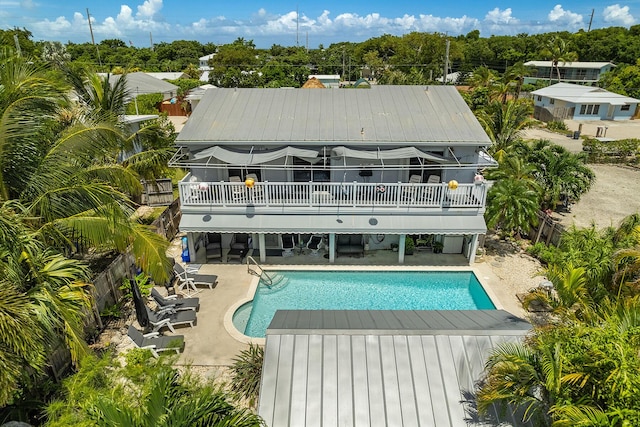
(246, 373)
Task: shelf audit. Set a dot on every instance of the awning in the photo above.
(341, 224)
(254, 158)
(396, 153)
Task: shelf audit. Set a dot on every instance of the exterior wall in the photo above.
(568, 74)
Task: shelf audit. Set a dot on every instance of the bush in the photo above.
(557, 126)
(246, 372)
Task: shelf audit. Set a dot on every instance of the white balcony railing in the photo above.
(336, 194)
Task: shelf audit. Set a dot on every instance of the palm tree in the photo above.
(503, 122)
(557, 51)
(512, 206)
(482, 77)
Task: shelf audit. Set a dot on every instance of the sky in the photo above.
(301, 23)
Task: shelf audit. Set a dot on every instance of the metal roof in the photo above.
(142, 83)
(380, 368)
(569, 64)
(580, 94)
(342, 223)
(382, 114)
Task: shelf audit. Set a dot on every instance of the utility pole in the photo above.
(591, 20)
(151, 40)
(93, 42)
(17, 42)
(297, 26)
(446, 63)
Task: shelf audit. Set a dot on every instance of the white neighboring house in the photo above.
(328, 80)
(205, 67)
(571, 101)
(570, 72)
(195, 94)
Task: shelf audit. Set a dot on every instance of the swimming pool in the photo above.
(360, 290)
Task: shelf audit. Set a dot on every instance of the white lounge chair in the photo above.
(238, 189)
(191, 280)
(155, 342)
(410, 192)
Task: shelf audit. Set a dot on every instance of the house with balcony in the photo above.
(587, 73)
(347, 168)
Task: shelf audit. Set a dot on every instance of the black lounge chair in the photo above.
(173, 302)
(288, 244)
(155, 342)
(315, 244)
(213, 248)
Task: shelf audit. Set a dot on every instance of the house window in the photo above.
(319, 172)
(539, 98)
(589, 109)
(552, 101)
(625, 108)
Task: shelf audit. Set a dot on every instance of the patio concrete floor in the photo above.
(214, 342)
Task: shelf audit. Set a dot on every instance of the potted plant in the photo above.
(437, 247)
(409, 246)
(394, 247)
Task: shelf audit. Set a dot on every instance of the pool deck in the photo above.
(213, 341)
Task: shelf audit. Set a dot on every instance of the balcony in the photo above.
(331, 195)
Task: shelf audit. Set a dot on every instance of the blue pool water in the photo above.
(360, 290)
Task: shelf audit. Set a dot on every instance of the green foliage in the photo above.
(557, 126)
(246, 373)
(144, 282)
(147, 104)
(620, 151)
(144, 392)
(512, 206)
(185, 85)
(409, 245)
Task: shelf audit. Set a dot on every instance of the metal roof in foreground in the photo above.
(382, 114)
(381, 368)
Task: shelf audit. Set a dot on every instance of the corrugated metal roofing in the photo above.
(380, 368)
(580, 94)
(343, 224)
(569, 64)
(382, 114)
(141, 83)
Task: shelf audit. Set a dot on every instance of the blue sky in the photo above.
(326, 22)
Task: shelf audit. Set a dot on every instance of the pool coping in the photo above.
(239, 336)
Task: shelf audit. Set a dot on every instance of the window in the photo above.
(552, 101)
(539, 98)
(589, 109)
(625, 107)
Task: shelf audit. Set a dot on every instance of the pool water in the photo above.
(360, 290)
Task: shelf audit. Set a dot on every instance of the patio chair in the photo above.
(257, 191)
(288, 244)
(192, 280)
(170, 318)
(213, 247)
(238, 189)
(240, 241)
(155, 342)
(315, 244)
(173, 302)
(409, 191)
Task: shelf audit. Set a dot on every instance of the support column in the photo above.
(401, 248)
(332, 248)
(191, 246)
(261, 246)
(474, 248)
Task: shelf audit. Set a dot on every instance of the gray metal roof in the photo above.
(382, 114)
(348, 224)
(581, 94)
(142, 83)
(380, 368)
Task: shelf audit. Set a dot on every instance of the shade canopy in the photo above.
(396, 153)
(254, 158)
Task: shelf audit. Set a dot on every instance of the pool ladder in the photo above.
(256, 269)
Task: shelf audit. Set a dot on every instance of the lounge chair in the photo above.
(213, 247)
(192, 280)
(155, 342)
(257, 191)
(410, 191)
(238, 189)
(288, 244)
(315, 244)
(170, 318)
(173, 302)
(240, 241)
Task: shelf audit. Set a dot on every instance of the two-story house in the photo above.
(380, 163)
(570, 71)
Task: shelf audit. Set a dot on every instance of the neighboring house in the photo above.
(195, 95)
(387, 162)
(570, 72)
(328, 80)
(133, 124)
(382, 368)
(570, 101)
(142, 83)
(169, 75)
(205, 67)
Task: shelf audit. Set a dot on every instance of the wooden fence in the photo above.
(167, 224)
(548, 231)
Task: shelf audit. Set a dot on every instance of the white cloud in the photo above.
(565, 17)
(149, 8)
(617, 15)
